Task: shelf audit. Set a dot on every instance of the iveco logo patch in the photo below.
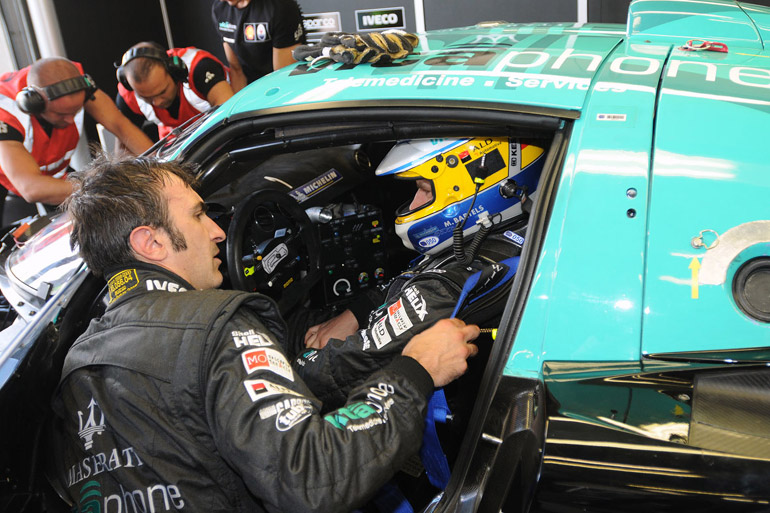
(378, 19)
(168, 286)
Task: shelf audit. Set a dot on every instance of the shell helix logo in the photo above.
(89, 426)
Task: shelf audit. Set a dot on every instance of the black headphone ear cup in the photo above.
(92, 87)
(120, 73)
(177, 69)
(31, 100)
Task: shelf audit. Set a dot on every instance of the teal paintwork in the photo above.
(715, 20)
(666, 143)
(708, 144)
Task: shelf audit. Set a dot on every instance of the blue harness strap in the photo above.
(485, 281)
(476, 286)
(390, 500)
(433, 458)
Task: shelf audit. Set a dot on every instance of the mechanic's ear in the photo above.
(146, 244)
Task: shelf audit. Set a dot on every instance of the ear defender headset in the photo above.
(34, 100)
(173, 64)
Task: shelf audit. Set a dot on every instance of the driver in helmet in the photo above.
(467, 219)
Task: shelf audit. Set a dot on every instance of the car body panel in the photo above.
(608, 160)
(714, 20)
(620, 334)
(690, 289)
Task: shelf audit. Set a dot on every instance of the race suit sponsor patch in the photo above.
(273, 409)
(307, 356)
(168, 286)
(99, 462)
(121, 283)
(365, 343)
(380, 333)
(290, 417)
(91, 424)
(260, 389)
(418, 303)
(399, 319)
(267, 359)
(250, 338)
(360, 416)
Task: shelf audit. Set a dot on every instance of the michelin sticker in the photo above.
(313, 187)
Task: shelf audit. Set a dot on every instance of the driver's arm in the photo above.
(269, 427)
(339, 327)
(332, 372)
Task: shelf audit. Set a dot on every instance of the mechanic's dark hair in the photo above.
(114, 196)
(139, 68)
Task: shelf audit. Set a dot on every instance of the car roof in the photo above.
(534, 66)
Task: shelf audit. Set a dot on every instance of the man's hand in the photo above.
(339, 327)
(443, 349)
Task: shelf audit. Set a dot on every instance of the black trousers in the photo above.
(15, 207)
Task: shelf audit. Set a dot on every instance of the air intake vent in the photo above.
(751, 288)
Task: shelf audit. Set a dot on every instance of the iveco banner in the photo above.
(319, 23)
(380, 19)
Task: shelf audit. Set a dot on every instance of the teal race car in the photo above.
(629, 367)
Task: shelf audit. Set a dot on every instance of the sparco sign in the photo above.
(318, 23)
(379, 19)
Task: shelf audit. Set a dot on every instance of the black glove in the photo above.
(357, 48)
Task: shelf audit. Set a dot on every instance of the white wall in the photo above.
(6, 61)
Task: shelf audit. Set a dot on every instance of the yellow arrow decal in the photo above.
(695, 268)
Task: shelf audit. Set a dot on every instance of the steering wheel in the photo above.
(273, 248)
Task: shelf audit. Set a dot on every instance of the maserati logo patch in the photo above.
(90, 426)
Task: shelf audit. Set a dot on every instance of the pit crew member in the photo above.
(41, 122)
(258, 36)
(180, 395)
(168, 87)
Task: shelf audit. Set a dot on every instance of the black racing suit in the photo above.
(412, 302)
(184, 400)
